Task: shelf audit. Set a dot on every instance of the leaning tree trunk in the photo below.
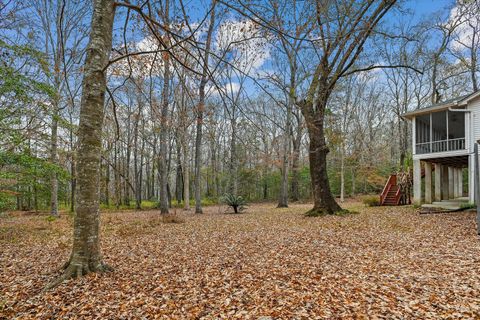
(86, 255)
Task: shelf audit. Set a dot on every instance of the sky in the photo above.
(197, 9)
(426, 7)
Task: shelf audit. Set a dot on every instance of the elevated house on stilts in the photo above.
(443, 138)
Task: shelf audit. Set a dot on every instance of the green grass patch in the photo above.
(466, 206)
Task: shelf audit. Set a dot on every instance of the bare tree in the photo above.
(58, 35)
(341, 42)
(200, 110)
(466, 40)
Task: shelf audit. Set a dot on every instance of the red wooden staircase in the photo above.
(397, 190)
(390, 195)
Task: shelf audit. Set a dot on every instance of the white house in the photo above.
(443, 137)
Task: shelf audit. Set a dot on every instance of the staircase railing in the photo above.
(392, 181)
(398, 195)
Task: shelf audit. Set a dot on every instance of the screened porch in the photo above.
(440, 131)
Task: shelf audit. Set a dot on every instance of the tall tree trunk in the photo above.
(54, 161)
(152, 170)
(72, 166)
(179, 173)
(353, 182)
(86, 254)
(214, 168)
(73, 183)
(116, 162)
(201, 109)
(126, 167)
(185, 158)
(169, 165)
(147, 179)
(435, 97)
(400, 144)
(473, 62)
(162, 159)
(107, 183)
(233, 156)
(323, 201)
(342, 173)
(283, 199)
(136, 166)
(138, 188)
(295, 186)
(162, 155)
(186, 174)
(57, 50)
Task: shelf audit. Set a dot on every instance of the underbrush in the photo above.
(205, 203)
(371, 201)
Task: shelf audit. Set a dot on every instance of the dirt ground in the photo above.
(268, 263)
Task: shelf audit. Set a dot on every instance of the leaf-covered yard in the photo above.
(271, 263)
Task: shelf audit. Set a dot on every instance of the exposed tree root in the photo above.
(76, 270)
(318, 212)
(281, 205)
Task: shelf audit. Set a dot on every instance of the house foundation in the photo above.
(439, 179)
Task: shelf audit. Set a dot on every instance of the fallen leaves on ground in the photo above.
(385, 262)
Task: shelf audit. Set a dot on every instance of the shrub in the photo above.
(236, 202)
(7, 200)
(371, 201)
(205, 202)
(50, 218)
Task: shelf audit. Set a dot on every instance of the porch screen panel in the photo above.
(456, 130)
(439, 131)
(422, 133)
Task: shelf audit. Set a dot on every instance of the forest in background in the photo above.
(220, 115)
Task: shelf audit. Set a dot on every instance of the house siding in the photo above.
(475, 108)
